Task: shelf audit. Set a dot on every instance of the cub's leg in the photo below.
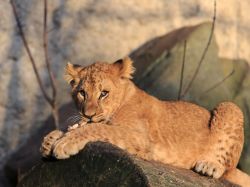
(225, 141)
(75, 140)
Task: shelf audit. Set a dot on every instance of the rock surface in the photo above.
(102, 164)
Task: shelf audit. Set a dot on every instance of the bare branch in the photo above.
(48, 64)
(203, 54)
(29, 52)
(247, 108)
(45, 44)
(51, 101)
(218, 83)
(182, 69)
(55, 116)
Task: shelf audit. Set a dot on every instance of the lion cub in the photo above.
(114, 110)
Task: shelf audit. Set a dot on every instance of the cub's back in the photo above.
(187, 114)
(185, 121)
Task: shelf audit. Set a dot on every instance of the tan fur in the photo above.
(178, 133)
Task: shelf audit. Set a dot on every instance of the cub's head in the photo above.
(99, 89)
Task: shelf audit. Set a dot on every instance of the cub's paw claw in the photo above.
(64, 148)
(48, 142)
(211, 169)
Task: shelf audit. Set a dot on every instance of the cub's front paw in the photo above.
(212, 169)
(48, 142)
(65, 147)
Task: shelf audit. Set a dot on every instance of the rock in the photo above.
(159, 63)
(102, 164)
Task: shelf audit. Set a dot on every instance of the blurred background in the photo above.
(89, 30)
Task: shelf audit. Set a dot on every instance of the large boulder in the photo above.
(102, 164)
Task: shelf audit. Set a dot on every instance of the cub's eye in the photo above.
(83, 93)
(103, 94)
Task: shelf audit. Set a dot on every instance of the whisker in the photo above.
(71, 117)
(74, 118)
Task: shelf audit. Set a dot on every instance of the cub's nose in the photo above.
(89, 110)
(89, 115)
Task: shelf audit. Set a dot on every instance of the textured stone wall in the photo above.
(88, 30)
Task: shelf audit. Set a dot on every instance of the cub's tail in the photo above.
(238, 177)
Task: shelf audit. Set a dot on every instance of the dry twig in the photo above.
(218, 83)
(203, 54)
(247, 108)
(47, 60)
(51, 101)
(182, 69)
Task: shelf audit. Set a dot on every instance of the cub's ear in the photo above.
(72, 73)
(125, 67)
